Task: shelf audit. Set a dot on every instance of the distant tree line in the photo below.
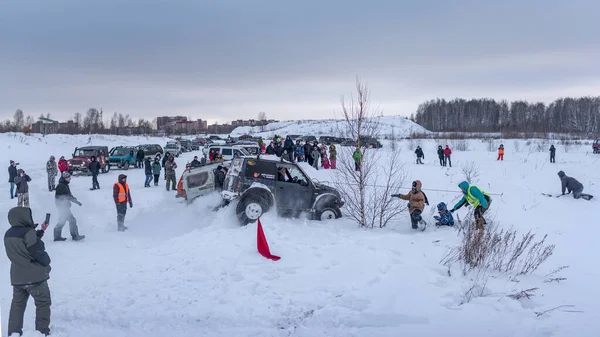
(564, 115)
(91, 122)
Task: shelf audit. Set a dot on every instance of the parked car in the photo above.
(174, 148)
(151, 150)
(244, 137)
(186, 144)
(122, 157)
(251, 147)
(82, 156)
(228, 152)
(305, 139)
(329, 140)
(256, 182)
(365, 142)
(370, 142)
(596, 145)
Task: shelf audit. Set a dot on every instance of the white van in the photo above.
(227, 151)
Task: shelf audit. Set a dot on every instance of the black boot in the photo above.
(78, 237)
(60, 238)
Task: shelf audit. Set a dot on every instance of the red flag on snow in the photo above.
(262, 245)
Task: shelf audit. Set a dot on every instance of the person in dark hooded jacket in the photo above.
(122, 197)
(572, 185)
(289, 149)
(94, 167)
(63, 199)
(307, 151)
(148, 171)
(552, 154)
(420, 155)
(22, 180)
(220, 173)
(29, 270)
(12, 173)
(440, 153)
(139, 158)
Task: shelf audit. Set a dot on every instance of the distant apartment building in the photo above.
(180, 124)
(48, 126)
(167, 122)
(190, 126)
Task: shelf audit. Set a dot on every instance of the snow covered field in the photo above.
(185, 271)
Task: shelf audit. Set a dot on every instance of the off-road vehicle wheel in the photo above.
(328, 212)
(126, 166)
(251, 208)
(106, 168)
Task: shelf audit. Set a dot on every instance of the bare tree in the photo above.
(262, 119)
(19, 120)
(78, 120)
(392, 177)
(367, 196)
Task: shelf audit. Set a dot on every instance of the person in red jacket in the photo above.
(122, 197)
(63, 165)
(447, 154)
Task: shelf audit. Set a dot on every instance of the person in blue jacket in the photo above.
(475, 197)
(445, 218)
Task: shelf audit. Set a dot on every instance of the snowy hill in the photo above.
(187, 271)
(398, 125)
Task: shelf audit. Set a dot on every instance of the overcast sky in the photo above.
(224, 60)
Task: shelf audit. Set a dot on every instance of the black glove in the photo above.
(78, 203)
(130, 204)
(452, 210)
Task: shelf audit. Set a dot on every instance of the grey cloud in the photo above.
(231, 59)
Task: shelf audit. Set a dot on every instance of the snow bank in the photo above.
(398, 125)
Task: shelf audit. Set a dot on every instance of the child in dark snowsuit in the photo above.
(440, 153)
(445, 218)
(420, 155)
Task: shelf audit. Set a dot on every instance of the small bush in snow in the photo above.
(459, 145)
(567, 144)
(471, 172)
(491, 144)
(517, 146)
(503, 250)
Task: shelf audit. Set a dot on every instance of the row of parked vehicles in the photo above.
(365, 141)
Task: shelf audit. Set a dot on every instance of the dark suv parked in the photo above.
(262, 183)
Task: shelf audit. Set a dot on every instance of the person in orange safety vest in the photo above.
(122, 197)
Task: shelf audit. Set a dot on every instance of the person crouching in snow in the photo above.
(477, 198)
(445, 218)
(417, 200)
(572, 185)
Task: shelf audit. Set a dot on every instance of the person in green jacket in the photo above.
(475, 197)
(156, 170)
(357, 159)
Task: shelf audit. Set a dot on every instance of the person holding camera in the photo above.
(21, 180)
(63, 199)
(29, 270)
(12, 174)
